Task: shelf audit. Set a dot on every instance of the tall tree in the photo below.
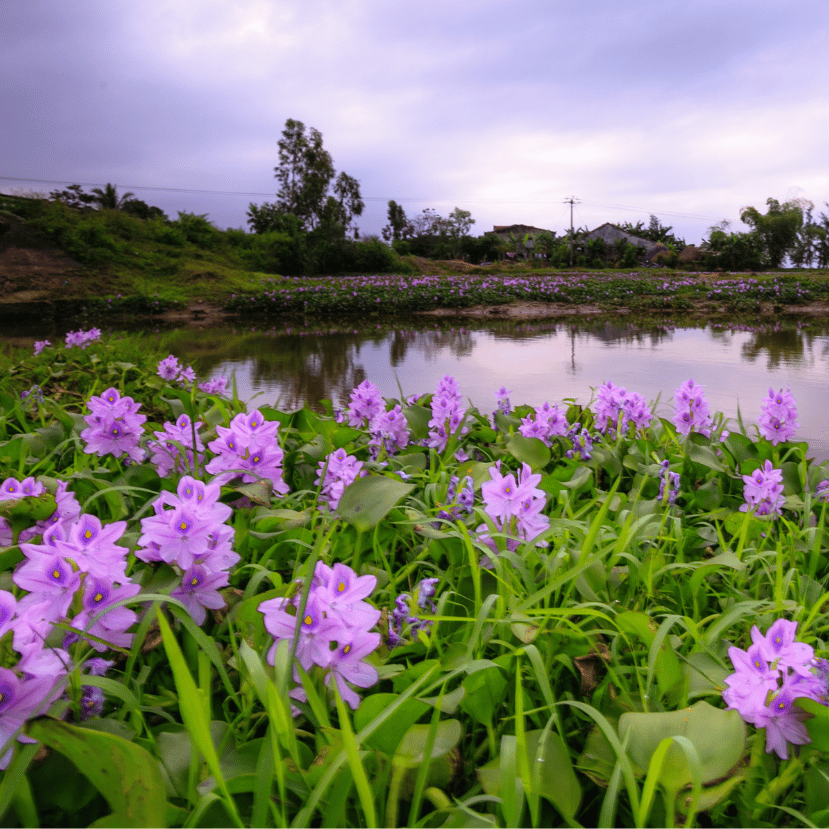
(347, 192)
(778, 228)
(305, 172)
(398, 226)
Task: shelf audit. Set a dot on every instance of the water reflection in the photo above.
(549, 361)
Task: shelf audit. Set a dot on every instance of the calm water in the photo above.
(546, 361)
(550, 361)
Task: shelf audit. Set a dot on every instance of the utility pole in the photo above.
(571, 200)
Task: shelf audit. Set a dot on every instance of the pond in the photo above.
(298, 365)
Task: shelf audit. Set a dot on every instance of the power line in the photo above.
(368, 198)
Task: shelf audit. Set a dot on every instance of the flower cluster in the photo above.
(40, 345)
(334, 629)
(768, 677)
(114, 426)
(617, 408)
(545, 423)
(335, 473)
(778, 417)
(248, 447)
(389, 432)
(366, 404)
(170, 369)
(502, 400)
(460, 498)
(582, 443)
(447, 413)
(80, 338)
(691, 411)
(218, 385)
(189, 533)
(763, 491)
(822, 490)
(668, 483)
(75, 577)
(166, 449)
(67, 512)
(514, 507)
(404, 616)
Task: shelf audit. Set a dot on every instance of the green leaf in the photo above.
(124, 773)
(718, 736)
(368, 500)
(485, 690)
(387, 736)
(529, 450)
(412, 748)
(557, 781)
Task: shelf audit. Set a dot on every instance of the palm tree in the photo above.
(107, 199)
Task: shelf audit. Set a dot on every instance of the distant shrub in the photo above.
(198, 230)
(168, 235)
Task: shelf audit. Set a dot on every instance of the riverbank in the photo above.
(519, 296)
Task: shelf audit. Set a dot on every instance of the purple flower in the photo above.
(199, 590)
(82, 338)
(20, 699)
(346, 665)
(763, 491)
(101, 617)
(668, 483)
(582, 443)
(216, 386)
(502, 400)
(366, 404)
(389, 431)
(114, 426)
(168, 368)
(778, 417)
(691, 411)
(335, 473)
(40, 345)
(768, 677)
(545, 423)
(448, 414)
(616, 407)
(166, 449)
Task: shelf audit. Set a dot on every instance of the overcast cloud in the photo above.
(503, 109)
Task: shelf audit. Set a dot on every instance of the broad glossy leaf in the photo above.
(718, 736)
(368, 500)
(124, 773)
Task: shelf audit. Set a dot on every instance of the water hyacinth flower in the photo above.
(405, 616)
(114, 426)
(668, 483)
(389, 432)
(545, 423)
(460, 498)
(40, 345)
(448, 414)
(335, 614)
(581, 443)
(768, 677)
(691, 410)
(166, 453)
(778, 417)
(514, 505)
(248, 448)
(616, 407)
(763, 491)
(335, 473)
(217, 385)
(82, 338)
(502, 400)
(366, 404)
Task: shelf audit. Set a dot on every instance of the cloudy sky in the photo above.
(687, 110)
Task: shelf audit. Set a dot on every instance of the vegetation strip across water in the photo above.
(408, 612)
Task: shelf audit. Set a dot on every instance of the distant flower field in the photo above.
(406, 612)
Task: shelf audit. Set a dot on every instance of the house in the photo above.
(610, 234)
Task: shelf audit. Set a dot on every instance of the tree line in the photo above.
(311, 228)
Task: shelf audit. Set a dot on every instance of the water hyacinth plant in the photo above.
(409, 613)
